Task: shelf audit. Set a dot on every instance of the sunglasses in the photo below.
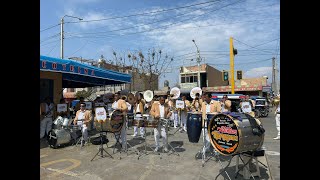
(82, 106)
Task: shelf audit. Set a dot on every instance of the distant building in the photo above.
(248, 86)
(209, 77)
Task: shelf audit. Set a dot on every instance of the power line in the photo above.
(132, 15)
(166, 26)
(50, 27)
(251, 46)
(127, 28)
(80, 48)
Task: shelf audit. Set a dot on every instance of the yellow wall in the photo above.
(57, 84)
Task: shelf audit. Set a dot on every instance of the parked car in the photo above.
(234, 98)
(261, 107)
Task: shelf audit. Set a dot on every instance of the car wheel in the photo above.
(257, 114)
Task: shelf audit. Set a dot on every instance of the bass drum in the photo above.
(58, 137)
(230, 135)
(112, 124)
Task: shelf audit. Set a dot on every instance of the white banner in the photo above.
(101, 113)
(62, 107)
(179, 104)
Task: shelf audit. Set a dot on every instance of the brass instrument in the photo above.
(130, 98)
(148, 95)
(175, 92)
(194, 91)
(276, 101)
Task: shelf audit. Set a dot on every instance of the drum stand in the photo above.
(171, 148)
(127, 143)
(203, 151)
(147, 145)
(101, 149)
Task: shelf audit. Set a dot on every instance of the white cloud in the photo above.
(259, 72)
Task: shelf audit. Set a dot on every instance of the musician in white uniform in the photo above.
(83, 119)
(46, 116)
(160, 110)
(209, 106)
(138, 108)
(247, 106)
(278, 120)
(121, 105)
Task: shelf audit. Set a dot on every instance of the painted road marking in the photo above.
(75, 163)
(273, 153)
(43, 156)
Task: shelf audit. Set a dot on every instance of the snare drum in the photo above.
(229, 135)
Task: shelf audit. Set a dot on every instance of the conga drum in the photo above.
(231, 135)
(194, 126)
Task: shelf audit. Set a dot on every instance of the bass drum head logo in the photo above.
(223, 134)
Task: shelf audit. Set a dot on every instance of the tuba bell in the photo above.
(194, 91)
(175, 93)
(148, 95)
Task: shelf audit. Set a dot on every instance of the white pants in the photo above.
(184, 116)
(163, 134)
(278, 123)
(135, 130)
(174, 117)
(84, 130)
(45, 126)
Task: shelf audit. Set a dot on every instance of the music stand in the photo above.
(101, 149)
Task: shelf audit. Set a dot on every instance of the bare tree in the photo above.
(151, 67)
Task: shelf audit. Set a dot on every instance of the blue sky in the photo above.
(128, 26)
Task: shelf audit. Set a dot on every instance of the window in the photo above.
(187, 79)
(195, 78)
(183, 79)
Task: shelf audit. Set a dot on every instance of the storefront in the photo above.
(56, 74)
(246, 90)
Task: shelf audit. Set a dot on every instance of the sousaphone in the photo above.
(175, 92)
(130, 98)
(194, 91)
(148, 95)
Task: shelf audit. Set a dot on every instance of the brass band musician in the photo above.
(196, 103)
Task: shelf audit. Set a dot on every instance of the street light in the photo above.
(198, 61)
(61, 33)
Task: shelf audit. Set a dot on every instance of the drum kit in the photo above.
(62, 133)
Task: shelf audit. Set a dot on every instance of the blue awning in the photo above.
(75, 74)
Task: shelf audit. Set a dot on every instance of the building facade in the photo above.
(209, 76)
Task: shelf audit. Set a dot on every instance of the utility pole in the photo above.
(198, 61)
(232, 53)
(274, 84)
(61, 39)
(62, 32)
